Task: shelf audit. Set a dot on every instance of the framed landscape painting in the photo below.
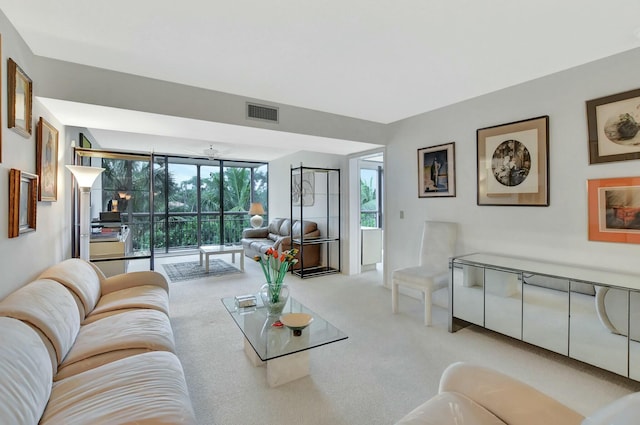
(47, 161)
(614, 127)
(513, 163)
(20, 93)
(436, 171)
(614, 209)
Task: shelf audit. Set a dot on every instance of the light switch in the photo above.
(401, 214)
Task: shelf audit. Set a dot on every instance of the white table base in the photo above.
(283, 369)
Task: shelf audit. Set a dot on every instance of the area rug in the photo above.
(178, 272)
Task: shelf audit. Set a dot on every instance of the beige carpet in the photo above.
(389, 365)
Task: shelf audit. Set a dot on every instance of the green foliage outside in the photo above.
(368, 203)
(176, 202)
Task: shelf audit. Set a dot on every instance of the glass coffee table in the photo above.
(286, 356)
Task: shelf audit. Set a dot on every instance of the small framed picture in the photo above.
(436, 171)
(513, 163)
(23, 201)
(303, 188)
(614, 127)
(19, 99)
(614, 209)
(47, 161)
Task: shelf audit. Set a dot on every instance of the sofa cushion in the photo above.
(49, 307)
(26, 373)
(147, 388)
(275, 224)
(143, 296)
(304, 227)
(274, 236)
(285, 227)
(450, 409)
(80, 277)
(129, 333)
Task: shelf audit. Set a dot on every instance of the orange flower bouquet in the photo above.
(275, 266)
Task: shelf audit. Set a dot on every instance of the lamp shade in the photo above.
(256, 209)
(85, 176)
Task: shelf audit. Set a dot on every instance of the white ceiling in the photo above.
(378, 60)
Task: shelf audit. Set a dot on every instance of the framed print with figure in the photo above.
(47, 161)
(19, 99)
(614, 209)
(436, 171)
(513, 163)
(614, 127)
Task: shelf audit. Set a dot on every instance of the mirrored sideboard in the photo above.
(591, 315)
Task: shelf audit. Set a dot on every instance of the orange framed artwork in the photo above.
(614, 209)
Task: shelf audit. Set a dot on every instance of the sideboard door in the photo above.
(503, 302)
(468, 293)
(598, 327)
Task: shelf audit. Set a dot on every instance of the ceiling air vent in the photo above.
(262, 113)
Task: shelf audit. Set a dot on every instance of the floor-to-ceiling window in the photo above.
(195, 201)
(204, 202)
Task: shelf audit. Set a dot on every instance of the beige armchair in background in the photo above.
(432, 273)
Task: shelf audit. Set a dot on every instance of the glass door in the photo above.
(120, 211)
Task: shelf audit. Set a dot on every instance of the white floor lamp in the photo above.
(85, 176)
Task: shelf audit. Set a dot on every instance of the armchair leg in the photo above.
(427, 307)
(394, 297)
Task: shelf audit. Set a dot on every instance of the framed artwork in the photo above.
(614, 209)
(23, 200)
(84, 141)
(302, 189)
(513, 163)
(47, 161)
(614, 127)
(436, 171)
(20, 93)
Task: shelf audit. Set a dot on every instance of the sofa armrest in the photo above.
(132, 279)
(260, 232)
(512, 401)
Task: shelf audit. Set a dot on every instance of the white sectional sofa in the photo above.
(476, 395)
(79, 348)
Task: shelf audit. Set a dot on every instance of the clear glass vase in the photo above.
(274, 302)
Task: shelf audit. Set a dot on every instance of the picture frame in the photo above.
(613, 123)
(47, 161)
(303, 189)
(23, 200)
(436, 171)
(84, 141)
(513, 163)
(19, 99)
(614, 209)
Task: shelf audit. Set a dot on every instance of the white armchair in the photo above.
(432, 273)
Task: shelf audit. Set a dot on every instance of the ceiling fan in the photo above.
(211, 153)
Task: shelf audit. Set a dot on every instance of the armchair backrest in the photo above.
(438, 244)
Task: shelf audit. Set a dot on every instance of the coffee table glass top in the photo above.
(271, 342)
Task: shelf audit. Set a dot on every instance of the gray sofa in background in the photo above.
(278, 236)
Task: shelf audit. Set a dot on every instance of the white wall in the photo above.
(557, 232)
(24, 257)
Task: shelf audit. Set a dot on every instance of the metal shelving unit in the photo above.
(315, 196)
